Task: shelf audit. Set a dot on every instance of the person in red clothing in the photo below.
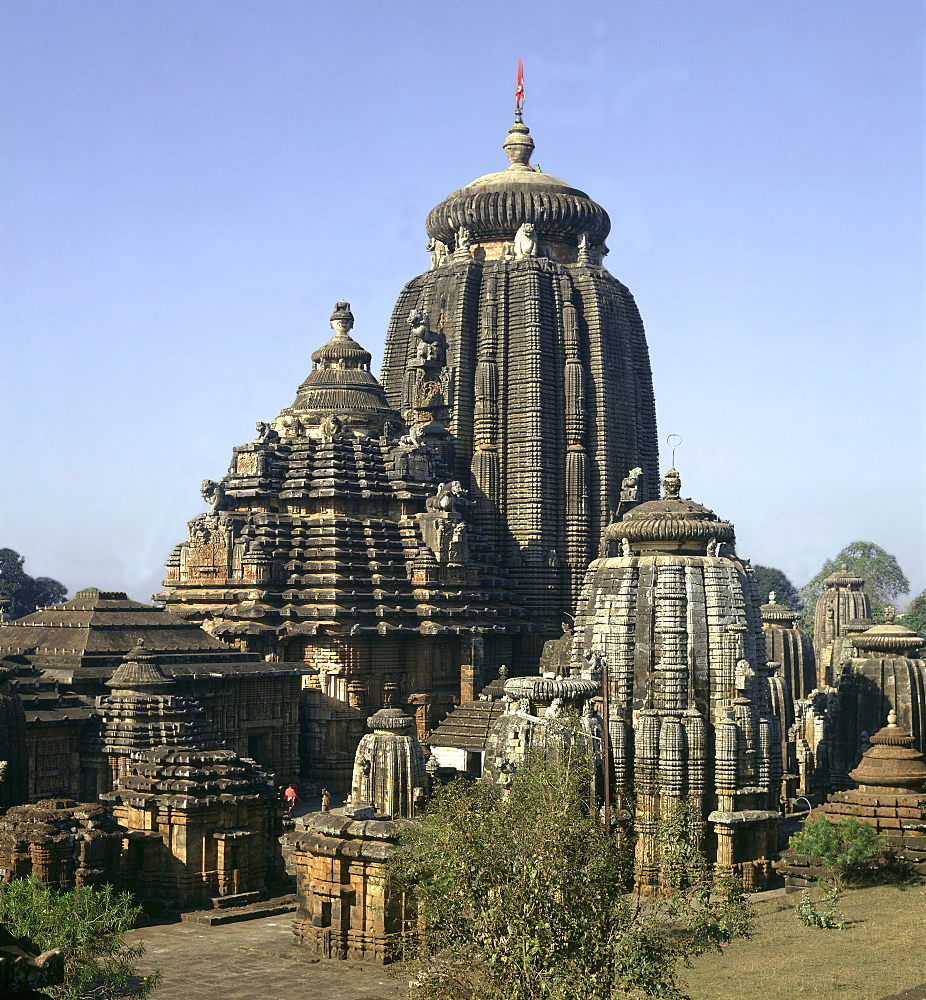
(289, 797)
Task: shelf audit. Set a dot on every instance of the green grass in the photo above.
(880, 952)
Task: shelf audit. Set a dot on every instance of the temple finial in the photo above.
(519, 94)
(342, 319)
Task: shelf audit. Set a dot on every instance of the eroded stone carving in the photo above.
(525, 241)
(214, 495)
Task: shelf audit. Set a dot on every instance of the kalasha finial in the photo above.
(892, 719)
(671, 485)
(342, 319)
(519, 93)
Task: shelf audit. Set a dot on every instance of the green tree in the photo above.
(524, 896)
(914, 617)
(26, 593)
(87, 924)
(768, 579)
(884, 579)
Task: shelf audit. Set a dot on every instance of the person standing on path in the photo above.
(289, 797)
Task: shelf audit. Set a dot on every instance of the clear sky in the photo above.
(187, 186)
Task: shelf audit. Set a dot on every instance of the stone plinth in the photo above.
(346, 907)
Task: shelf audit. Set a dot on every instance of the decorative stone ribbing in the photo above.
(389, 767)
(548, 391)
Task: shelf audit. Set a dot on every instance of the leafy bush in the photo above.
(87, 924)
(824, 914)
(526, 897)
(842, 847)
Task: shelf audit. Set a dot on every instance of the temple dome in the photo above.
(494, 206)
(340, 382)
(670, 520)
(892, 762)
(889, 638)
(775, 613)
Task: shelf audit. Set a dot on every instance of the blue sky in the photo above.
(187, 187)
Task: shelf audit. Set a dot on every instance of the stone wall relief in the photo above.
(214, 495)
(331, 427)
(440, 254)
(289, 426)
(431, 349)
(206, 555)
(461, 249)
(443, 525)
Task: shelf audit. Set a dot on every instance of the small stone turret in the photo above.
(535, 715)
(891, 796)
(145, 711)
(842, 600)
(389, 767)
(788, 645)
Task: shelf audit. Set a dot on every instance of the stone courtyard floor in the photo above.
(252, 960)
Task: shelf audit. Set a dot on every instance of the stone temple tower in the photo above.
(520, 343)
(671, 612)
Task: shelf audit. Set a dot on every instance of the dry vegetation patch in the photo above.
(879, 953)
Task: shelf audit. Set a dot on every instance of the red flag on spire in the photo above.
(519, 93)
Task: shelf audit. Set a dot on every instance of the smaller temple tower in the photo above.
(201, 823)
(672, 613)
(887, 673)
(347, 907)
(389, 771)
(787, 644)
(144, 711)
(842, 600)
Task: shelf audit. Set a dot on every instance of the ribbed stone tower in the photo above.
(389, 771)
(842, 600)
(787, 644)
(521, 344)
(672, 615)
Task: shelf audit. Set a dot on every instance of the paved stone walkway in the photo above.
(252, 960)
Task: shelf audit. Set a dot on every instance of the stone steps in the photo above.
(234, 914)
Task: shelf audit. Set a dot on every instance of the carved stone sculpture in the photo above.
(525, 241)
(214, 495)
